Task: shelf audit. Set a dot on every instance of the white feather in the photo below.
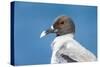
(68, 46)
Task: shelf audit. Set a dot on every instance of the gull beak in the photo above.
(43, 34)
(48, 31)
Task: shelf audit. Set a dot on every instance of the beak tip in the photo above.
(43, 34)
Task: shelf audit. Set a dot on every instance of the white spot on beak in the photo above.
(43, 34)
(52, 27)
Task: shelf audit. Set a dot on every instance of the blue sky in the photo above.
(32, 18)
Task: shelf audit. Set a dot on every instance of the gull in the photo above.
(65, 48)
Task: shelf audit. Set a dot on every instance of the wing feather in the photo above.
(76, 51)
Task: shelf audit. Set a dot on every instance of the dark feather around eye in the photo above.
(62, 22)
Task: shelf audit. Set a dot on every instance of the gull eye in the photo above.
(62, 22)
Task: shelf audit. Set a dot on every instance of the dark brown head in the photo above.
(62, 25)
